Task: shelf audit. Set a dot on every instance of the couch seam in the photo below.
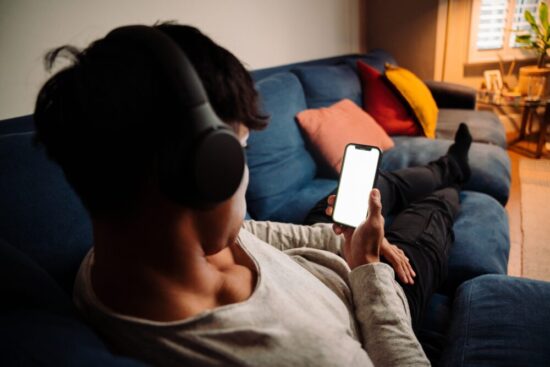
(467, 326)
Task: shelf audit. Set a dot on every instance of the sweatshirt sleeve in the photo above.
(382, 312)
(285, 236)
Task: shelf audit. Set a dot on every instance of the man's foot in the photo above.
(458, 152)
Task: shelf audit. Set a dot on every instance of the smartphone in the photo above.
(357, 178)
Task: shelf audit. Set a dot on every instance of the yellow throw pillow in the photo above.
(417, 95)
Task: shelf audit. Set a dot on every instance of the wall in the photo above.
(452, 48)
(456, 45)
(406, 29)
(261, 33)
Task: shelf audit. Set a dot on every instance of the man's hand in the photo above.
(399, 261)
(393, 254)
(362, 244)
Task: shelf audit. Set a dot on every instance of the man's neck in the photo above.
(150, 270)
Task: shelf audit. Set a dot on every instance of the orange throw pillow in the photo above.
(330, 129)
(384, 104)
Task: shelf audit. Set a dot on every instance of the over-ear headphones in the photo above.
(216, 165)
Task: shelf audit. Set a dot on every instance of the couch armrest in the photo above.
(499, 320)
(450, 95)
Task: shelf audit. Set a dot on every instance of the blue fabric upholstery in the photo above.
(500, 321)
(326, 85)
(280, 166)
(478, 248)
(23, 284)
(17, 125)
(490, 164)
(376, 58)
(38, 322)
(260, 74)
(485, 126)
(39, 212)
(40, 338)
(303, 201)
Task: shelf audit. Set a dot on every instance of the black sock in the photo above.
(458, 152)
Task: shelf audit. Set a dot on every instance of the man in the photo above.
(174, 279)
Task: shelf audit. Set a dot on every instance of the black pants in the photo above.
(423, 202)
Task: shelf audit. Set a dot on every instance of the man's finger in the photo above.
(329, 210)
(375, 203)
(405, 275)
(409, 275)
(331, 199)
(411, 269)
(394, 259)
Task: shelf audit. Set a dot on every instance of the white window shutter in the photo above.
(518, 18)
(492, 22)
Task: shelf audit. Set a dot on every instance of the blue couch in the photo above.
(479, 317)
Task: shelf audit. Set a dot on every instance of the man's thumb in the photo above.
(375, 203)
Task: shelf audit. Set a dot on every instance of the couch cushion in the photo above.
(25, 285)
(280, 166)
(499, 321)
(39, 212)
(485, 126)
(477, 250)
(41, 338)
(330, 129)
(296, 209)
(38, 321)
(490, 164)
(325, 85)
(20, 124)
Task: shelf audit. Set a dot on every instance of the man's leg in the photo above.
(401, 187)
(424, 232)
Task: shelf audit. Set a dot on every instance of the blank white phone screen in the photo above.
(356, 182)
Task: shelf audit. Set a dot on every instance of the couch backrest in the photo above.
(40, 214)
(325, 85)
(278, 160)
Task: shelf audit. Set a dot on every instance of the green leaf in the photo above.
(531, 20)
(523, 37)
(543, 15)
(524, 41)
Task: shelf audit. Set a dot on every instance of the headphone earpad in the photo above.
(219, 166)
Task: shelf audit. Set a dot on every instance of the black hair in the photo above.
(105, 117)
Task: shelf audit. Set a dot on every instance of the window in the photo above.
(494, 22)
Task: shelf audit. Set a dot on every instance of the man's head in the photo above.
(108, 118)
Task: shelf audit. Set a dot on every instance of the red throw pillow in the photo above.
(330, 129)
(384, 105)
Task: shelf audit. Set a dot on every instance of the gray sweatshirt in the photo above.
(307, 309)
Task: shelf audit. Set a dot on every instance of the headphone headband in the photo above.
(217, 163)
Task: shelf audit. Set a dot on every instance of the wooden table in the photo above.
(529, 111)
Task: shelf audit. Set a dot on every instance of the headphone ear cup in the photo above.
(205, 165)
(219, 166)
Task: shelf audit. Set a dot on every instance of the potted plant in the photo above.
(538, 40)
